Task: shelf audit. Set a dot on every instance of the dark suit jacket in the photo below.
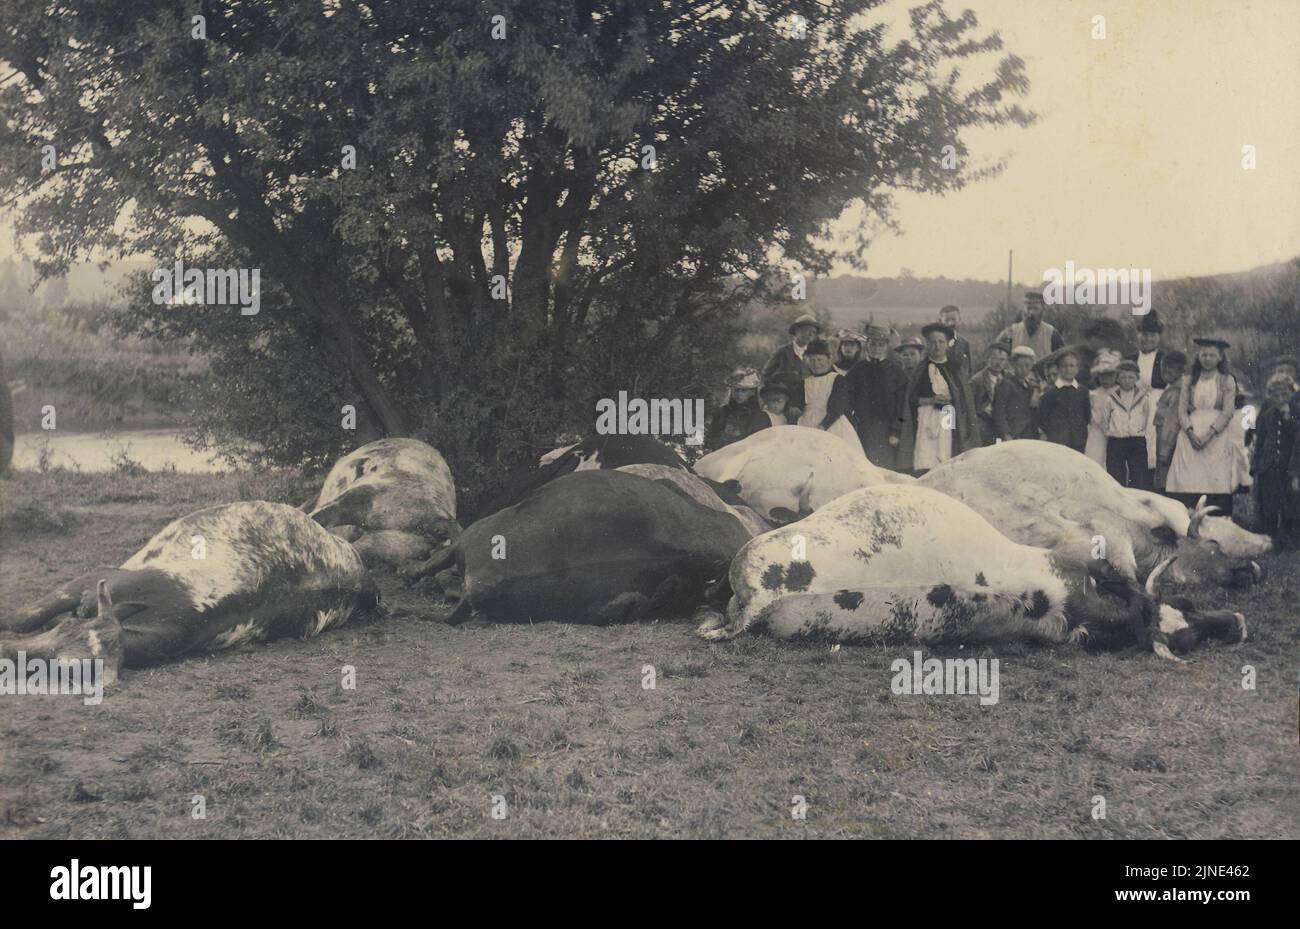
(788, 369)
(875, 395)
(1012, 414)
(959, 352)
(1275, 442)
(1157, 379)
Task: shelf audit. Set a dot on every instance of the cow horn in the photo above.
(1154, 577)
(1194, 527)
(1161, 649)
(104, 605)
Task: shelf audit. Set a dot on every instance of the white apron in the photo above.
(933, 443)
(816, 395)
(1210, 470)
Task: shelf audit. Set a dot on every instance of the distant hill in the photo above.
(908, 302)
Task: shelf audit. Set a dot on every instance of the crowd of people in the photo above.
(1178, 423)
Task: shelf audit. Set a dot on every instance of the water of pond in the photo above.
(152, 449)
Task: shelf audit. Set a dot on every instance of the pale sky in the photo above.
(1136, 160)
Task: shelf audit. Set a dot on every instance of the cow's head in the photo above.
(1116, 613)
(1174, 625)
(1220, 556)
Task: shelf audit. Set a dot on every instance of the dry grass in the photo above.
(554, 720)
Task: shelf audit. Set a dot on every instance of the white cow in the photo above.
(898, 564)
(393, 499)
(788, 471)
(1050, 496)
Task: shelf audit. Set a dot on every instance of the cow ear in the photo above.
(1164, 535)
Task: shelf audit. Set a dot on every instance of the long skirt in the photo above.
(1210, 470)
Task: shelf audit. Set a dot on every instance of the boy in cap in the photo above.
(1276, 490)
(1127, 413)
(909, 352)
(984, 384)
(1065, 408)
(1013, 401)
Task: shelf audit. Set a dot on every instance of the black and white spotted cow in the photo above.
(219, 577)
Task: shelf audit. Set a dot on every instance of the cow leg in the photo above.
(438, 561)
(1217, 626)
(64, 599)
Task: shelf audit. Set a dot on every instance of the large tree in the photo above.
(631, 170)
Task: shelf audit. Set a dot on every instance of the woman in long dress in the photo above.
(826, 397)
(938, 414)
(1203, 461)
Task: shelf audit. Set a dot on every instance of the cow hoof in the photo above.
(1079, 635)
(713, 625)
(1241, 627)
(1161, 649)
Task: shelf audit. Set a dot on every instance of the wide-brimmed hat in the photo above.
(850, 335)
(1220, 344)
(807, 319)
(937, 327)
(911, 341)
(744, 378)
(1279, 378)
(876, 331)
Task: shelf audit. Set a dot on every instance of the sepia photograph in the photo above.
(650, 419)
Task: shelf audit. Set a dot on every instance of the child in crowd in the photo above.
(1166, 413)
(1277, 486)
(1127, 412)
(737, 417)
(1103, 372)
(826, 396)
(775, 398)
(1065, 409)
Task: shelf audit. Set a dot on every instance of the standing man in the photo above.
(984, 385)
(958, 349)
(1149, 356)
(938, 415)
(1013, 401)
(786, 366)
(875, 391)
(1032, 331)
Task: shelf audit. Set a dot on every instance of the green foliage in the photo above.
(523, 158)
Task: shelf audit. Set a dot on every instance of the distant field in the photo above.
(554, 719)
(908, 319)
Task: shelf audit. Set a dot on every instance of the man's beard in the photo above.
(1031, 324)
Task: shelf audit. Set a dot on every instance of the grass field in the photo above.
(555, 720)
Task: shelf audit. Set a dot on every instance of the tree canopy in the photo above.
(549, 199)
